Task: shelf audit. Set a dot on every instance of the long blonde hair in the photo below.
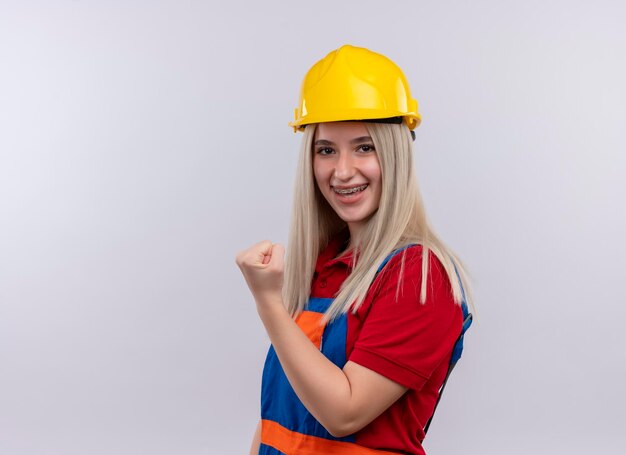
(400, 220)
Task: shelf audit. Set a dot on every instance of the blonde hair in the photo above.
(399, 221)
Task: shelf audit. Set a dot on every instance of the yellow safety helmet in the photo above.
(354, 83)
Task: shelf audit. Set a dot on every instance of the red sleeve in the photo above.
(405, 340)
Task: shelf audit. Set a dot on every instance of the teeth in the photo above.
(351, 190)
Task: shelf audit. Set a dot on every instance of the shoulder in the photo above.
(405, 270)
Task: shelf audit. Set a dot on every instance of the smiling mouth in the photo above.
(356, 189)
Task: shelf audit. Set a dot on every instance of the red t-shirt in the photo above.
(403, 340)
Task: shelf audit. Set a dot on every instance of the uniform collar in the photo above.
(337, 243)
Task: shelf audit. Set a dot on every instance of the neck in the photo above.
(355, 234)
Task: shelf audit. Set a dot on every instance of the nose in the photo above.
(344, 167)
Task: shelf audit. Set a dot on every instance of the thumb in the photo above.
(278, 255)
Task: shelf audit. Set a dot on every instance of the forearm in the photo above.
(322, 387)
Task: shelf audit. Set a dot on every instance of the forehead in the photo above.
(340, 131)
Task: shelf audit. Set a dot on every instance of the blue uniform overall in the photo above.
(287, 426)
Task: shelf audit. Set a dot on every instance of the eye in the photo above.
(324, 151)
(367, 148)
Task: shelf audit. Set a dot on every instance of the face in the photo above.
(347, 171)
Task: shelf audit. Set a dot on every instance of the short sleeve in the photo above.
(405, 340)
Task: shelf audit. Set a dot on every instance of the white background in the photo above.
(144, 143)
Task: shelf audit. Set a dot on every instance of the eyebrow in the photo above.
(353, 141)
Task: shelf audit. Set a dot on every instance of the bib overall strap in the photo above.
(390, 255)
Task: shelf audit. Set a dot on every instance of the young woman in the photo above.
(367, 307)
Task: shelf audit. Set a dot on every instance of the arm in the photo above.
(256, 440)
(343, 401)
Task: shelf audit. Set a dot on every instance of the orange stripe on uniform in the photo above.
(309, 323)
(293, 443)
